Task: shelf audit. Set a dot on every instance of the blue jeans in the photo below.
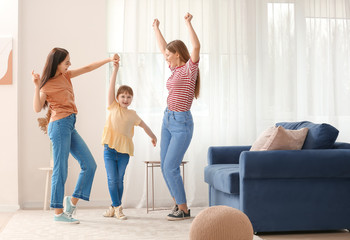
(65, 139)
(115, 163)
(177, 131)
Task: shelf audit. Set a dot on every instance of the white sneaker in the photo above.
(118, 213)
(109, 212)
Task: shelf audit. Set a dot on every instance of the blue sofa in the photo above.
(284, 190)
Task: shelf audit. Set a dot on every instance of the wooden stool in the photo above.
(47, 186)
(152, 165)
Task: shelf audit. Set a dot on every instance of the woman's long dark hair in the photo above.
(55, 57)
(177, 46)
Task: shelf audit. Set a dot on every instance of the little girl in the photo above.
(117, 140)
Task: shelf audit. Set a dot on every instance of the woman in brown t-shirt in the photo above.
(54, 89)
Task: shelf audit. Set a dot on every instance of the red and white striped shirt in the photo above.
(181, 85)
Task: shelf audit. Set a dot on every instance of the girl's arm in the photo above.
(194, 39)
(149, 132)
(91, 67)
(39, 97)
(160, 39)
(111, 90)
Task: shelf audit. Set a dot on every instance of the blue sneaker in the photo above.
(65, 218)
(69, 208)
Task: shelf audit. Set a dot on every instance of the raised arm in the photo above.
(39, 98)
(149, 132)
(194, 39)
(160, 39)
(111, 91)
(92, 66)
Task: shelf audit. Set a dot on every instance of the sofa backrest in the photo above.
(320, 136)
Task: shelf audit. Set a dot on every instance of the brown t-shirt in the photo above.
(60, 95)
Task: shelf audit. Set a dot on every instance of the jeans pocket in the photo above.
(180, 118)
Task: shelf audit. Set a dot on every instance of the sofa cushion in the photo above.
(320, 136)
(278, 138)
(285, 139)
(262, 139)
(223, 177)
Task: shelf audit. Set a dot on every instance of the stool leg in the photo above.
(183, 173)
(147, 187)
(152, 188)
(46, 190)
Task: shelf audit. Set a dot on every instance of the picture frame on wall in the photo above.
(6, 72)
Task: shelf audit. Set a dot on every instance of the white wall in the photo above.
(9, 114)
(80, 27)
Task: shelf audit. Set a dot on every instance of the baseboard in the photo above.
(9, 208)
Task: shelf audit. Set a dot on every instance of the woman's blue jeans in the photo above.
(65, 139)
(115, 163)
(177, 131)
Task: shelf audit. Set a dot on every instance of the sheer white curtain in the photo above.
(261, 62)
(303, 62)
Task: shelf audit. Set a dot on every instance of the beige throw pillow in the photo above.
(262, 139)
(281, 139)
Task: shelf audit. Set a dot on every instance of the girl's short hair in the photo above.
(125, 89)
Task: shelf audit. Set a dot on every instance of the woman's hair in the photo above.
(44, 122)
(125, 89)
(55, 57)
(177, 46)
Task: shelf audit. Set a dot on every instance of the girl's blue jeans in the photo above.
(65, 139)
(177, 131)
(115, 163)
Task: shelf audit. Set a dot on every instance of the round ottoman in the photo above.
(221, 223)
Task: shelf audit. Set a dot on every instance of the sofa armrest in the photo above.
(290, 164)
(226, 154)
(341, 145)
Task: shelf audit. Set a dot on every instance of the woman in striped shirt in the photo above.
(177, 128)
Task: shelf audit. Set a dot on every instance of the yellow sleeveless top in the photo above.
(119, 128)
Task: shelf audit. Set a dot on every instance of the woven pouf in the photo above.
(221, 223)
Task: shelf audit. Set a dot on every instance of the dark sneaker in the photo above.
(179, 215)
(174, 209)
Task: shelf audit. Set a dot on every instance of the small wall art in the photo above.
(5, 60)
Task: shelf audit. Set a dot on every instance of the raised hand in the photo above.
(156, 23)
(36, 79)
(114, 58)
(116, 65)
(188, 17)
